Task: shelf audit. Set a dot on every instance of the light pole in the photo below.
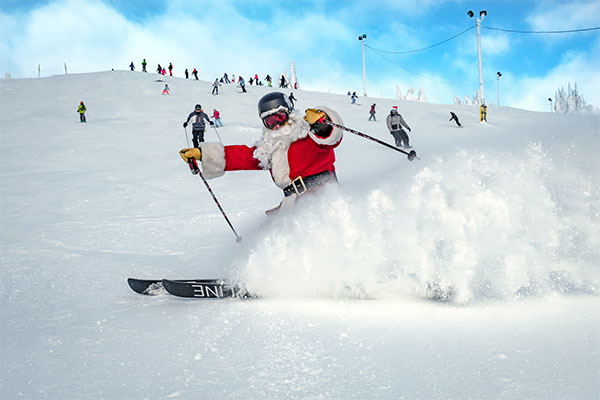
(498, 88)
(362, 39)
(482, 14)
(550, 100)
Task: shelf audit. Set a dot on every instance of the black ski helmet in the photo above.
(273, 102)
(197, 107)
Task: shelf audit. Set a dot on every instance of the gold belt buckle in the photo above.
(295, 186)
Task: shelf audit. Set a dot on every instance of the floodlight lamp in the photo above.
(482, 13)
(470, 13)
(364, 35)
(499, 74)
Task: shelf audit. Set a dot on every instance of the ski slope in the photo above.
(505, 214)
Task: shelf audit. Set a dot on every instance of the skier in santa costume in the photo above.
(299, 152)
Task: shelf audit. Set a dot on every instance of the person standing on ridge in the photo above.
(197, 118)
(195, 73)
(132, 66)
(171, 69)
(144, 63)
(395, 124)
(187, 74)
(299, 152)
(243, 85)
(81, 110)
(372, 112)
(159, 69)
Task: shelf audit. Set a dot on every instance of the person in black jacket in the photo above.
(455, 118)
(197, 118)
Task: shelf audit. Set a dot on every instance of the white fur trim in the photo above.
(213, 159)
(271, 149)
(336, 134)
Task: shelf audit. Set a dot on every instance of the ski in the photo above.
(154, 287)
(216, 289)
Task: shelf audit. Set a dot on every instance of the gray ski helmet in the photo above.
(273, 102)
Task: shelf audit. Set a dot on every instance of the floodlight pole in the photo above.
(362, 39)
(482, 14)
(550, 100)
(498, 88)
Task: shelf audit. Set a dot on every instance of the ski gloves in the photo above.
(190, 153)
(315, 118)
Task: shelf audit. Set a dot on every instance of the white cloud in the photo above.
(555, 15)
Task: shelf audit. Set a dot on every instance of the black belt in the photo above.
(302, 184)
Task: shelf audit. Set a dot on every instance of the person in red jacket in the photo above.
(299, 152)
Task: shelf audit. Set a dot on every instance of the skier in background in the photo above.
(132, 66)
(217, 117)
(195, 73)
(159, 69)
(166, 90)
(197, 118)
(215, 87)
(454, 118)
(144, 63)
(187, 74)
(299, 152)
(171, 69)
(81, 110)
(353, 97)
(243, 85)
(395, 124)
(372, 112)
(292, 98)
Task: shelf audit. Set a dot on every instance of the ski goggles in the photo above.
(275, 120)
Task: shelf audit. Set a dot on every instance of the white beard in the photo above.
(271, 149)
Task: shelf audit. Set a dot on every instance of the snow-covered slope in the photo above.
(505, 213)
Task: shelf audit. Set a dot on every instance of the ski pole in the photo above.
(196, 171)
(217, 132)
(411, 154)
(186, 136)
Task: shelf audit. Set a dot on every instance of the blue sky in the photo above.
(321, 37)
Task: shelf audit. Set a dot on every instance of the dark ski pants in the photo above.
(400, 136)
(372, 117)
(82, 117)
(198, 137)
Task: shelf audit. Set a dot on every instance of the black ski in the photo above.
(216, 289)
(154, 287)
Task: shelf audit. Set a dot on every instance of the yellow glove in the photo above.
(312, 115)
(193, 152)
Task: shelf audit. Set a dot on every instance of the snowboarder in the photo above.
(197, 118)
(171, 69)
(292, 98)
(353, 97)
(454, 118)
(187, 74)
(215, 87)
(395, 124)
(81, 110)
(144, 63)
(217, 117)
(166, 90)
(243, 85)
(195, 73)
(299, 152)
(132, 66)
(372, 112)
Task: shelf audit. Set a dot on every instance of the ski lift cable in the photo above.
(424, 48)
(565, 31)
(426, 77)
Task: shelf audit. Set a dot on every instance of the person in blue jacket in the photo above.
(197, 118)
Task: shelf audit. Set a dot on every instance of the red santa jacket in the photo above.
(288, 152)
